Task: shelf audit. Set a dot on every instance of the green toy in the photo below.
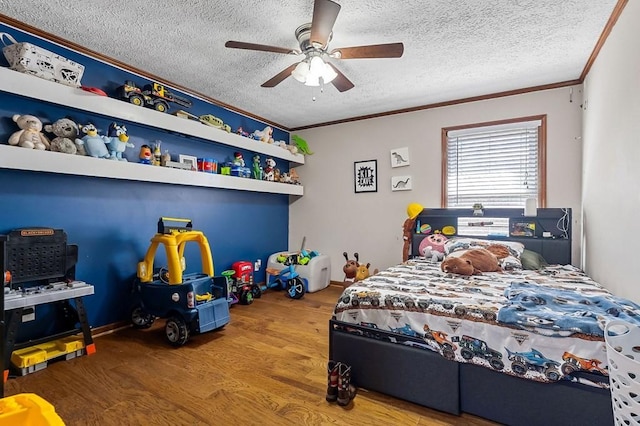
(302, 145)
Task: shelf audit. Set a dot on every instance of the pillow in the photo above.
(512, 261)
(532, 260)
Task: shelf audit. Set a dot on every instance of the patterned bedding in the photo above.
(542, 325)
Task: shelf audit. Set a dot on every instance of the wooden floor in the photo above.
(267, 366)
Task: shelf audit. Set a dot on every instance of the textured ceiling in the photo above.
(453, 49)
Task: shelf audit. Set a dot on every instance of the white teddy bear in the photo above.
(30, 134)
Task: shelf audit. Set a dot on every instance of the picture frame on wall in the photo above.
(365, 176)
(401, 183)
(189, 160)
(400, 157)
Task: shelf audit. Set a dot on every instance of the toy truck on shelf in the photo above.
(153, 95)
(191, 303)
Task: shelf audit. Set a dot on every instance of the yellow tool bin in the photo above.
(28, 409)
(36, 357)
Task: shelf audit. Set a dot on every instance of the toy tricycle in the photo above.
(287, 279)
(193, 303)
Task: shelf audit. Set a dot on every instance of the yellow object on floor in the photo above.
(28, 409)
(35, 357)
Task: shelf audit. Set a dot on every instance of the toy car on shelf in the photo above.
(153, 95)
(191, 303)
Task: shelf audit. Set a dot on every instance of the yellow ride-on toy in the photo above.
(192, 303)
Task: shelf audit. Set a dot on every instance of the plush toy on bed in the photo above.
(471, 262)
(432, 247)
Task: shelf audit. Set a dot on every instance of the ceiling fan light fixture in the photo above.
(301, 71)
(328, 73)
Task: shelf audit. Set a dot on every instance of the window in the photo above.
(497, 164)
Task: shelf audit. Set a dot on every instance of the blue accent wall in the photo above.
(112, 220)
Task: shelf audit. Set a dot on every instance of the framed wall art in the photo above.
(365, 176)
(400, 157)
(401, 183)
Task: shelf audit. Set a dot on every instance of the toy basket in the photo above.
(31, 59)
(623, 355)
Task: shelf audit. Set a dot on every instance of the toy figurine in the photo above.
(237, 159)
(242, 132)
(166, 158)
(157, 154)
(269, 170)
(257, 170)
(264, 135)
(145, 155)
(301, 144)
(118, 141)
(94, 144)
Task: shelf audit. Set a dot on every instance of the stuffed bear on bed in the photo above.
(471, 262)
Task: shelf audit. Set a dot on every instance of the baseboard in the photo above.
(109, 328)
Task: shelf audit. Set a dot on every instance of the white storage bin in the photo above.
(317, 272)
(623, 355)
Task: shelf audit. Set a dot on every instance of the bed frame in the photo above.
(428, 379)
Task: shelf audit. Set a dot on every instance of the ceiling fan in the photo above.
(313, 39)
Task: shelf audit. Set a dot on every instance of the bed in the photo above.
(523, 346)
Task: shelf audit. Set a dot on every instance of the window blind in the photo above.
(493, 165)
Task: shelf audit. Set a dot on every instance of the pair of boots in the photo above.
(339, 387)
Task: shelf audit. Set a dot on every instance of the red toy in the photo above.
(244, 286)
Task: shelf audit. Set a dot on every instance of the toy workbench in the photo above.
(38, 267)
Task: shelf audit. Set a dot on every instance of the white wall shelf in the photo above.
(16, 158)
(44, 90)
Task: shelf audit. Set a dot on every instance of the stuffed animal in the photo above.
(265, 135)
(471, 262)
(95, 144)
(350, 269)
(30, 134)
(117, 141)
(432, 247)
(66, 132)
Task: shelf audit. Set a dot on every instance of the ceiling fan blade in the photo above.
(341, 82)
(390, 50)
(325, 13)
(260, 47)
(279, 78)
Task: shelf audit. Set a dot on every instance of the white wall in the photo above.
(611, 167)
(334, 219)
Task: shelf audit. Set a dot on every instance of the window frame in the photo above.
(542, 154)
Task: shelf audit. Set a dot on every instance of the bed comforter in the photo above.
(542, 325)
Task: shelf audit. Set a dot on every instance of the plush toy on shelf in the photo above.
(66, 132)
(30, 134)
(118, 141)
(94, 144)
(265, 135)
